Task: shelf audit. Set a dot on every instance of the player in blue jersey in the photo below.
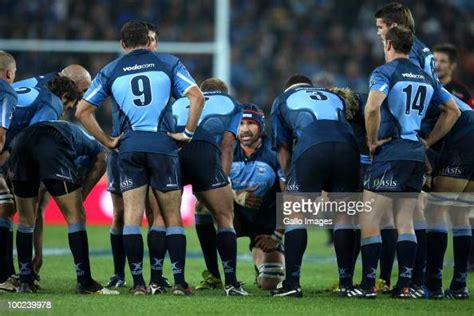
(317, 151)
(141, 84)
(211, 149)
(254, 176)
(46, 152)
(398, 152)
(436, 235)
(8, 100)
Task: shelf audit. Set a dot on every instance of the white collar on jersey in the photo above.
(297, 85)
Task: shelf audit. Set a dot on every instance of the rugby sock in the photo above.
(118, 251)
(133, 244)
(206, 233)
(11, 265)
(176, 245)
(356, 250)
(157, 248)
(461, 246)
(78, 243)
(24, 245)
(4, 251)
(227, 247)
(296, 239)
(436, 244)
(387, 254)
(406, 253)
(344, 236)
(370, 249)
(419, 269)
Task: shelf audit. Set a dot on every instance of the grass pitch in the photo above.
(319, 271)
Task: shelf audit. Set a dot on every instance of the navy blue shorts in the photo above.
(201, 166)
(330, 167)
(456, 159)
(160, 171)
(113, 173)
(42, 153)
(394, 176)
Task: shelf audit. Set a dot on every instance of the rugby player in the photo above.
(46, 152)
(255, 177)
(398, 152)
(436, 235)
(211, 149)
(324, 157)
(142, 83)
(8, 100)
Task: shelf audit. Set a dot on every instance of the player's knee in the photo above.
(270, 274)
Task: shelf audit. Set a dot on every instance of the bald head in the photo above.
(7, 67)
(79, 75)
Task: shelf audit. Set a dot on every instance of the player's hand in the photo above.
(180, 137)
(266, 243)
(378, 143)
(4, 157)
(114, 141)
(248, 199)
(425, 143)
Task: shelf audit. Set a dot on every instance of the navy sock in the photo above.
(157, 248)
(419, 269)
(176, 245)
(79, 246)
(436, 244)
(344, 246)
(24, 245)
(118, 251)
(4, 255)
(370, 249)
(387, 254)
(133, 244)
(461, 246)
(296, 240)
(406, 253)
(11, 265)
(356, 250)
(206, 233)
(227, 247)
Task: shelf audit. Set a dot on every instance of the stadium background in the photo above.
(269, 41)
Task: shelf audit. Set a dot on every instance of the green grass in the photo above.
(319, 271)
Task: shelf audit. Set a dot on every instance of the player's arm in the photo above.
(284, 154)
(3, 138)
(85, 113)
(449, 114)
(94, 173)
(372, 118)
(227, 152)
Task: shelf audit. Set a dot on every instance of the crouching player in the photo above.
(255, 176)
(46, 152)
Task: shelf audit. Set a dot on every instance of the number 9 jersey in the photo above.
(409, 91)
(141, 84)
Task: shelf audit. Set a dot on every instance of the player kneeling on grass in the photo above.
(46, 152)
(254, 175)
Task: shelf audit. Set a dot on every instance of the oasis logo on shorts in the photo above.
(451, 171)
(412, 75)
(138, 67)
(126, 183)
(292, 187)
(385, 183)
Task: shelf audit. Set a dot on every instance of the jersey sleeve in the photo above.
(182, 80)
(440, 95)
(234, 123)
(379, 81)
(281, 135)
(7, 104)
(49, 110)
(98, 90)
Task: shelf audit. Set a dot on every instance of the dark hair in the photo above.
(396, 13)
(297, 78)
(64, 85)
(401, 39)
(134, 34)
(152, 27)
(448, 49)
(214, 84)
